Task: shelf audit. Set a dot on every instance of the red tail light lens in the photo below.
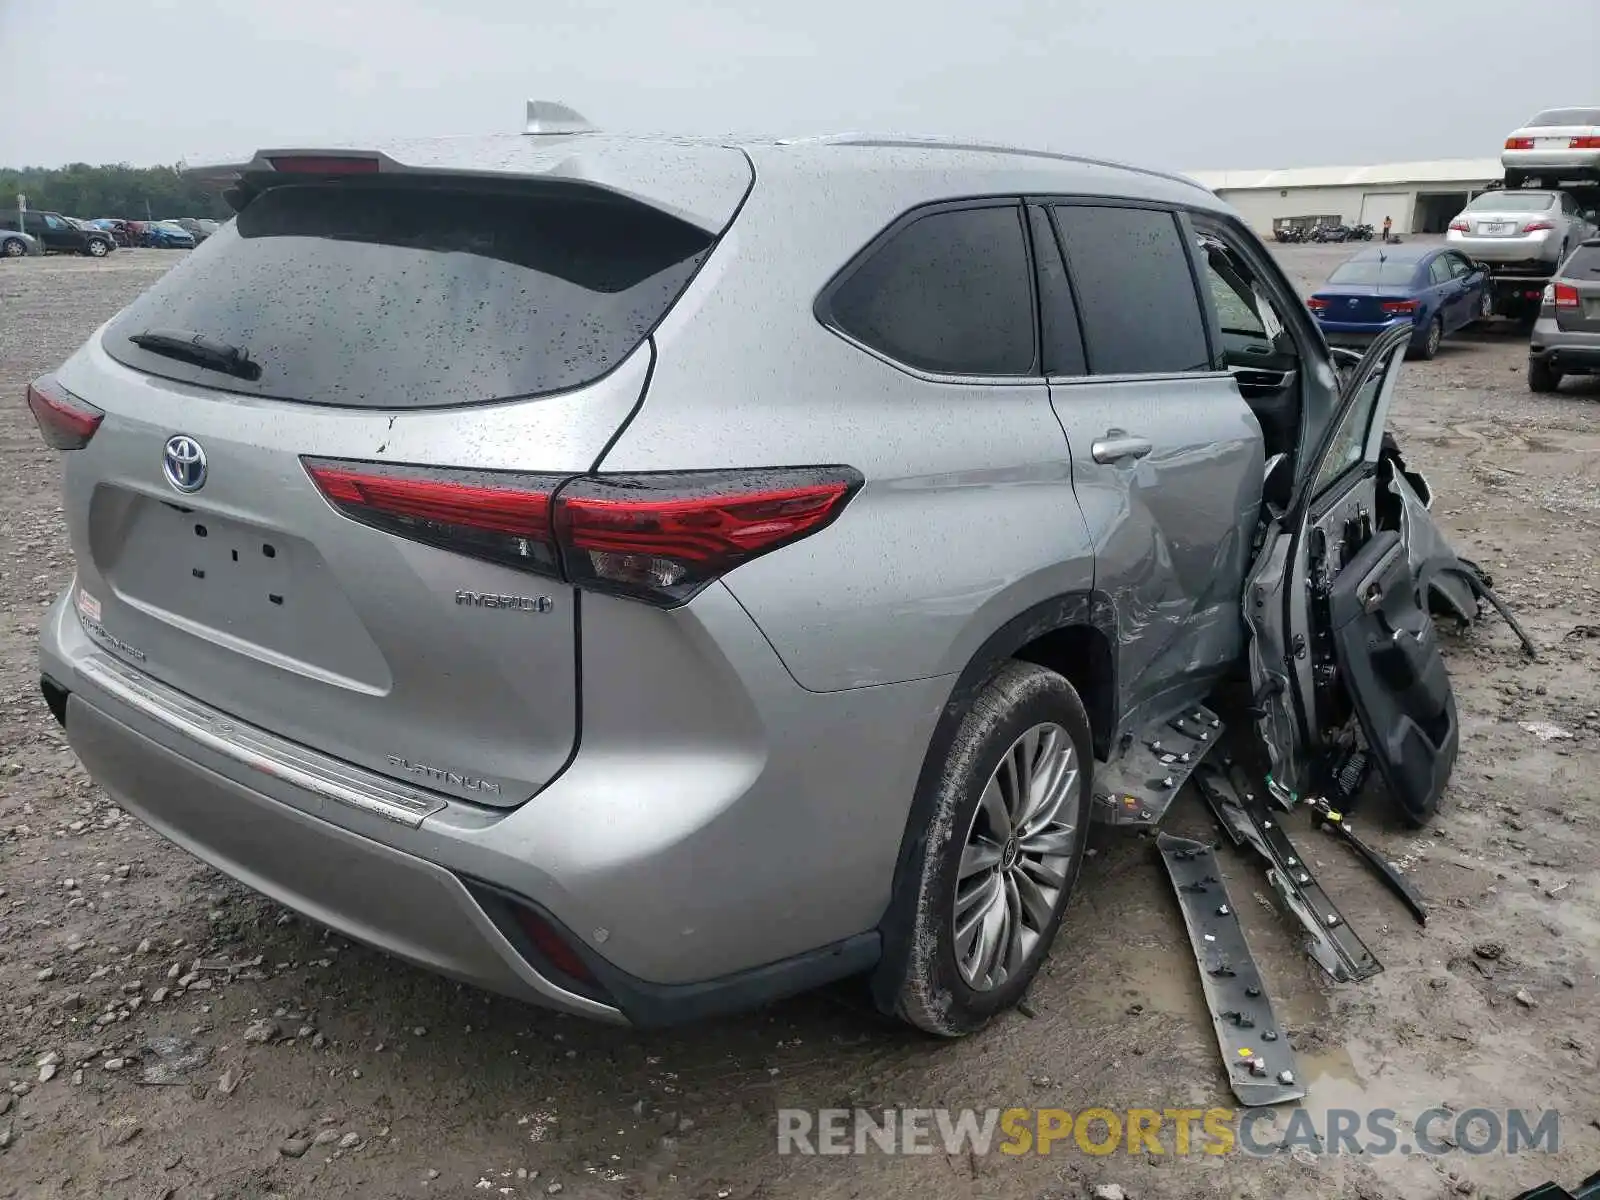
(1566, 296)
(498, 516)
(65, 422)
(324, 164)
(1585, 143)
(664, 537)
(1535, 226)
(1317, 304)
(657, 537)
(1396, 307)
(1519, 143)
(1460, 224)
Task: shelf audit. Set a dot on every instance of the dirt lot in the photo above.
(378, 1080)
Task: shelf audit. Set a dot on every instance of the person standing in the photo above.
(1387, 223)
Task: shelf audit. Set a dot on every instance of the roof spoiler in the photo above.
(548, 118)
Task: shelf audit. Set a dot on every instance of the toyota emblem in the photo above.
(184, 463)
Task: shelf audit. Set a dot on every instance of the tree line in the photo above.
(111, 190)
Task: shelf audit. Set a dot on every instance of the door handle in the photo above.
(1117, 445)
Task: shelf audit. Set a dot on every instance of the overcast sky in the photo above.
(1187, 84)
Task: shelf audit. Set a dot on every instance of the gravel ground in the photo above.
(298, 1064)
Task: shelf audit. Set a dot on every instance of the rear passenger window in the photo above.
(1439, 269)
(1136, 296)
(947, 293)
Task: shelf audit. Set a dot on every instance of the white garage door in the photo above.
(1375, 206)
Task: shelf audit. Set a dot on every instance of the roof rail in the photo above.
(548, 118)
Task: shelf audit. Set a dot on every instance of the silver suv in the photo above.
(649, 577)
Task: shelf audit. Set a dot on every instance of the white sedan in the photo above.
(1557, 145)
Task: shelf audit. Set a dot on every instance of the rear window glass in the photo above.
(1565, 116)
(1374, 272)
(1502, 201)
(1585, 260)
(385, 296)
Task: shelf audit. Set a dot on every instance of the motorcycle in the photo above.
(1363, 233)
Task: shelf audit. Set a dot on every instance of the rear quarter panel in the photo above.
(968, 515)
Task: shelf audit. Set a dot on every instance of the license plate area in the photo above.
(1495, 228)
(1556, 143)
(240, 587)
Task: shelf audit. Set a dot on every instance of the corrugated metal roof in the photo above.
(1442, 170)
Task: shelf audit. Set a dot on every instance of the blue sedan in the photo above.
(1434, 290)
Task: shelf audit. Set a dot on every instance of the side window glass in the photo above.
(1439, 269)
(948, 293)
(1140, 311)
(1350, 438)
(1246, 313)
(55, 222)
(1063, 341)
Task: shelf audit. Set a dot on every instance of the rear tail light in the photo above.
(1566, 296)
(1585, 143)
(493, 515)
(1399, 306)
(1535, 226)
(324, 164)
(664, 537)
(1317, 304)
(657, 537)
(1461, 224)
(1519, 143)
(65, 422)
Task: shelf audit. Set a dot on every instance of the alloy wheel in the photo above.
(13, 249)
(1015, 858)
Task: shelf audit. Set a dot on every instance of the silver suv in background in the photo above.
(652, 576)
(1566, 337)
(1507, 227)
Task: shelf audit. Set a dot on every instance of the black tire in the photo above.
(13, 248)
(926, 982)
(97, 248)
(1542, 377)
(1430, 345)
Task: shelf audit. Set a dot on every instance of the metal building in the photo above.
(1420, 197)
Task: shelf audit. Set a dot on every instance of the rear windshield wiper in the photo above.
(200, 350)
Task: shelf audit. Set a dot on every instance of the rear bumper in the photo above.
(368, 891)
(1358, 333)
(1567, 351)
(1535, 249)
(680, 884)
(1551, 159)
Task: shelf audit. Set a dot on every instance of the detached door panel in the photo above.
(1388, 654)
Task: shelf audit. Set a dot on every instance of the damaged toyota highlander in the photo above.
(839, 520)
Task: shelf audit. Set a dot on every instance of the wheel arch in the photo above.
(1072, 634)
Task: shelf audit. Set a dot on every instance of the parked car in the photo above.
(1532, 228)
(763, 581)
(59, 235)
(1556, 145)
(198, 228)
(164, 235)
(1566, 336)
(120, 230)
(16, 244)
(1430, 291)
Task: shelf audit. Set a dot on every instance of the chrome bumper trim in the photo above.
(257, 749)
